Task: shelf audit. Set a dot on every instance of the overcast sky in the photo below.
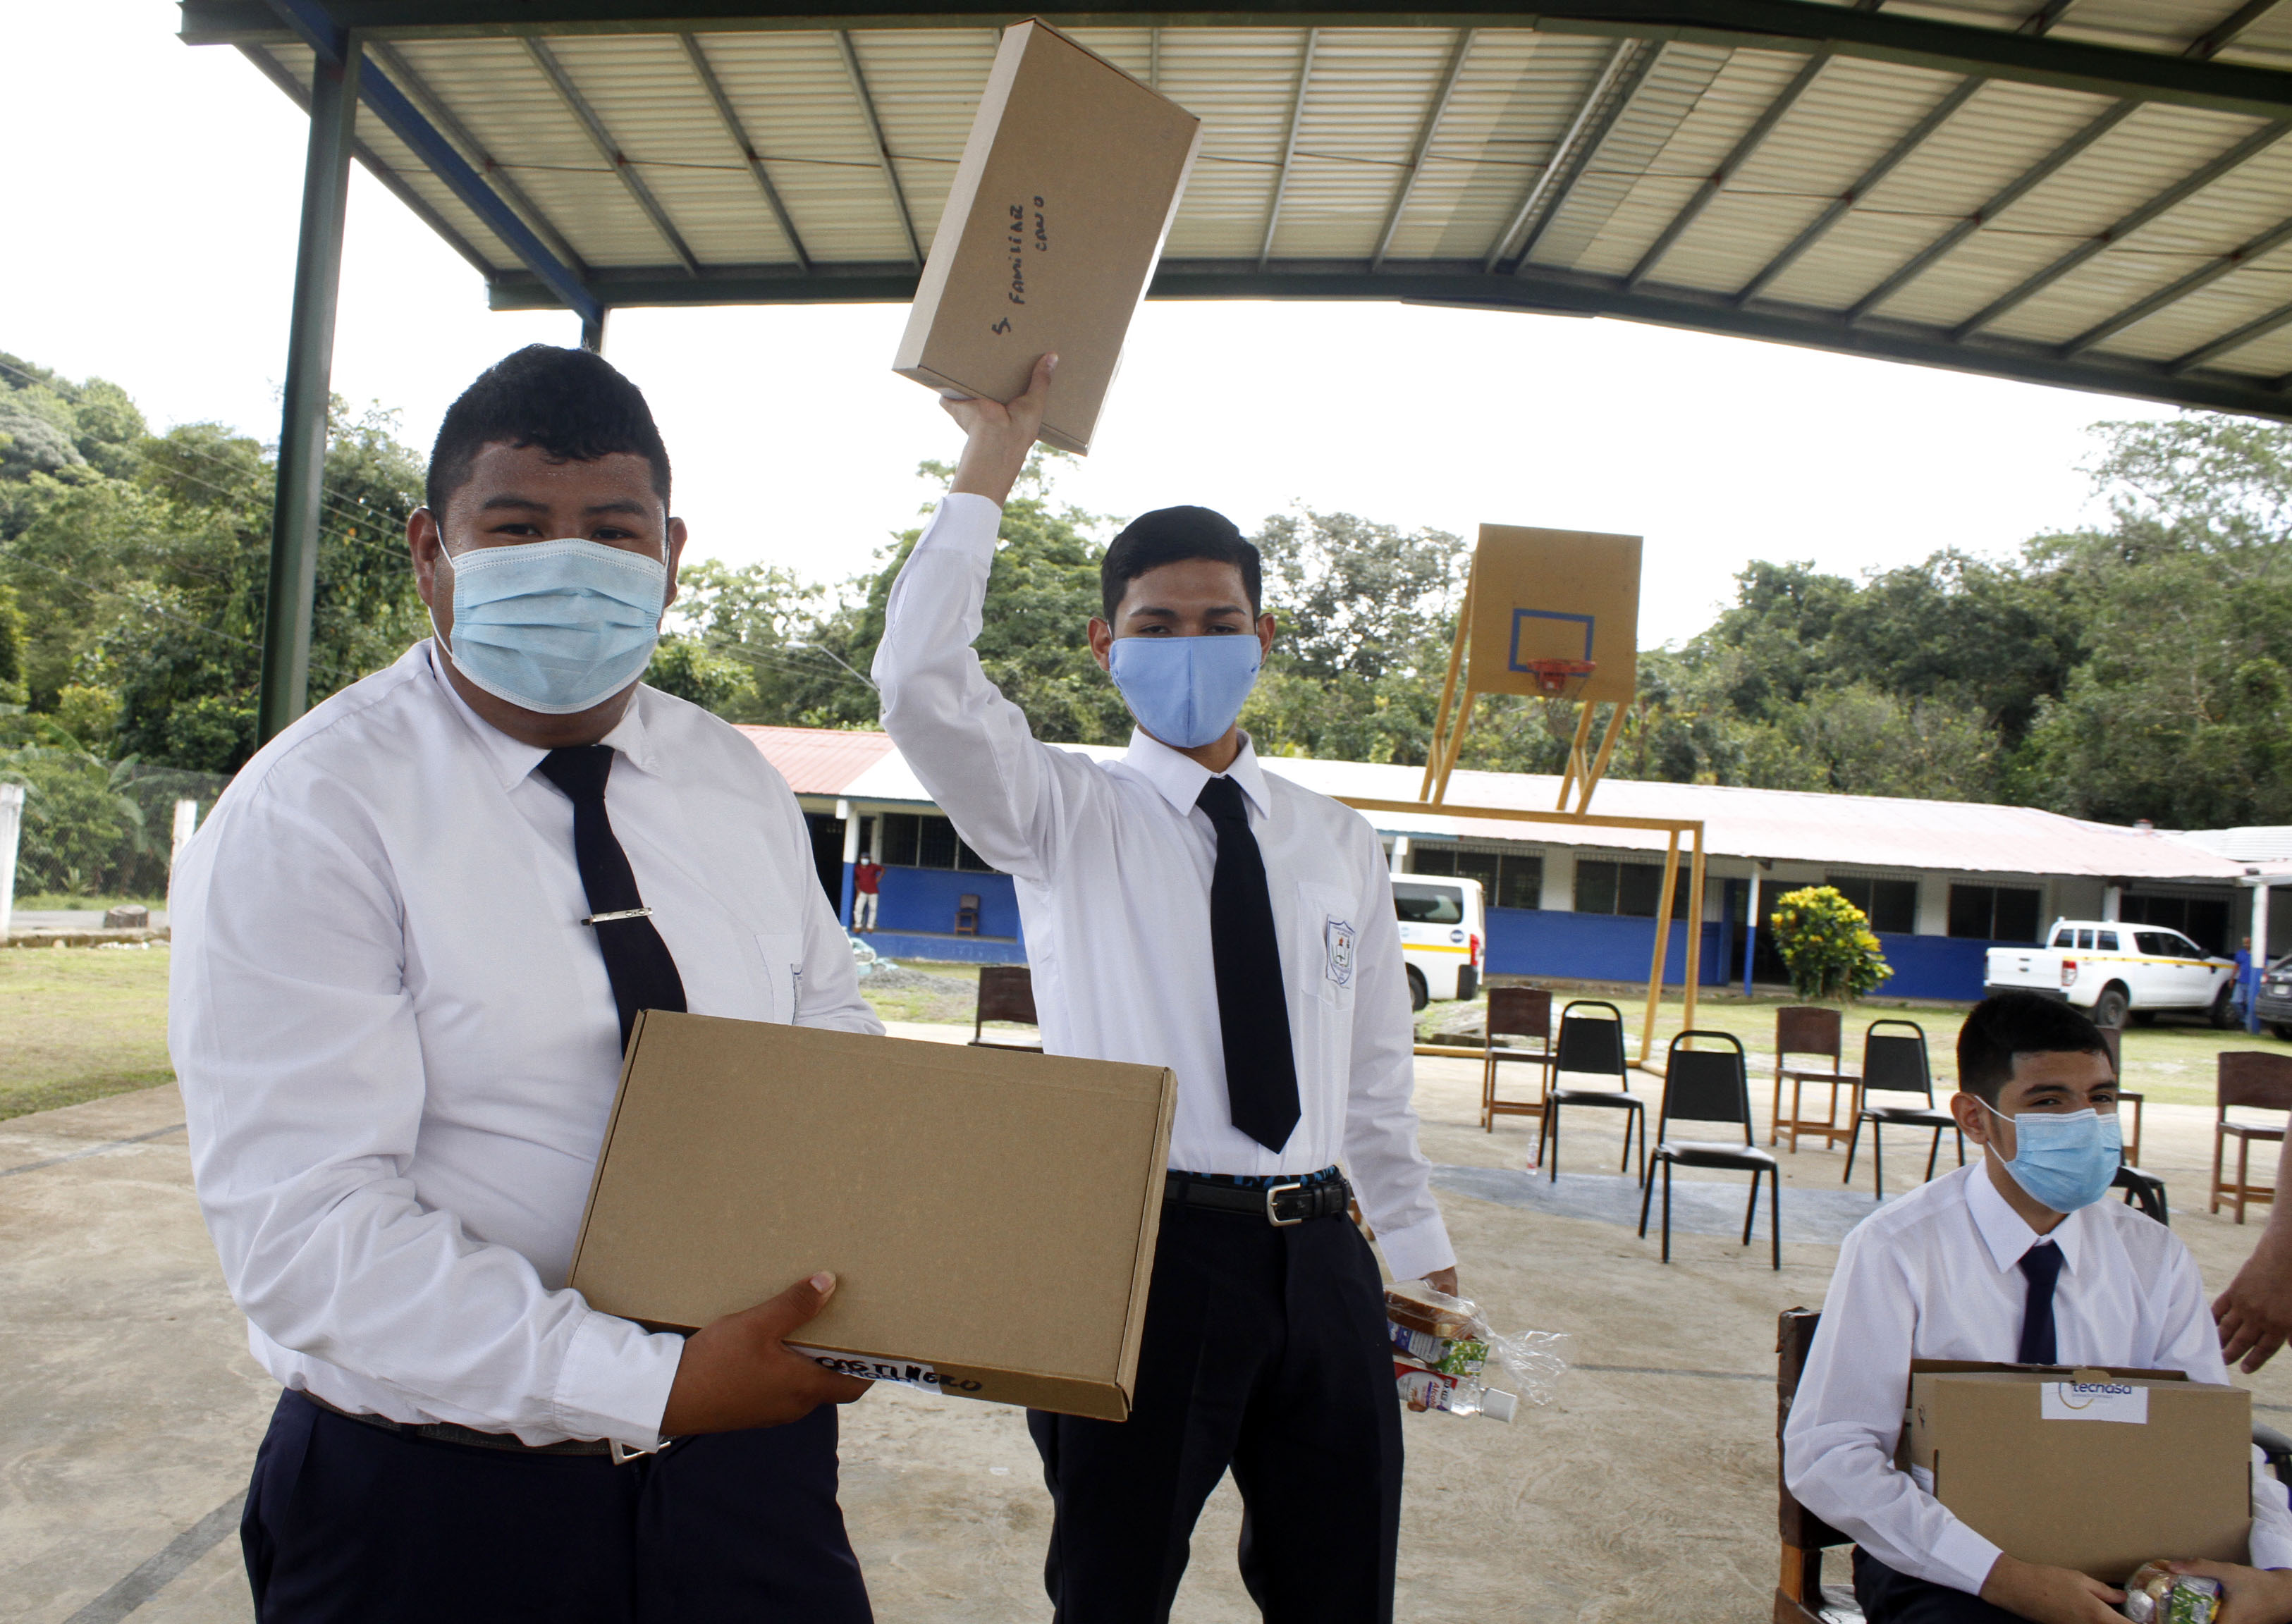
(154, 197)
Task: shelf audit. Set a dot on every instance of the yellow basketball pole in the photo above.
(1599, 766)
(1434, 753)
(1662, 947)
(1456, 743)
(1576, 763)
(1694, 926)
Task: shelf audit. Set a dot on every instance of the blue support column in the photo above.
(284, 692)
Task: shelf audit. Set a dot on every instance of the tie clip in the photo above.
(606, 919)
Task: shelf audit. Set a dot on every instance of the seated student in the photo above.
(2015, 1258)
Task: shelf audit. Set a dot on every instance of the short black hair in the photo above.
(1171, 535)
(571, 403)
(2009, 1023)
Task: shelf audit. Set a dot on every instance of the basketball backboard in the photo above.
(1547, 602)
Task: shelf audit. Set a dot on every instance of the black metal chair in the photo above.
(1895, 1062)
(2145, 1190)
(1592, 1046)
(1710, 1085)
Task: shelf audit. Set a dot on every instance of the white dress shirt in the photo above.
(1937, 1275)
(1112, 866)
(399, 1048)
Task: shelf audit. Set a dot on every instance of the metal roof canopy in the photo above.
(2095, 193)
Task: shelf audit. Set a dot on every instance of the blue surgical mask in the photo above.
(1186, 690)
(2064, 1160)
(556, 626)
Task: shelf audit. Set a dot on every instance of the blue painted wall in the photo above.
(924, 899)
(1604, 947)
(1594, 947)
(901, 948)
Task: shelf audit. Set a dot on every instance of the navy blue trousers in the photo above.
(1891, 1598)
(1264, 1351)
(346, 1523)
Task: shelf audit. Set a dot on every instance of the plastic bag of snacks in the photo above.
(1446, 1357)
(2156, 1595)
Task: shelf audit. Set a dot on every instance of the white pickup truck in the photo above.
(2115, 969)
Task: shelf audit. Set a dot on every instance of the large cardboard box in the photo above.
(2095, 1470)
(990, 1214)
(1057, 215)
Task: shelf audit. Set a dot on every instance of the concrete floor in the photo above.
(129, 1407)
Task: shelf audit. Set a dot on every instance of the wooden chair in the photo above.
(1801, 1598)
(1007, 992)
(2112, 1038)
(1710, 1085)
(966, 915)
(2257, 1081)
(1515, 1012)
(1591, 1045)
(1808, 1029)
(1895, 1062)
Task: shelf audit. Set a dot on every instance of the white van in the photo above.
(1442, 926)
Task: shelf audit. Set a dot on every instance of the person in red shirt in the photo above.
(865, 879)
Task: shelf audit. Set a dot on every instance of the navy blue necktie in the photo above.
(2042, 1262)
(1261, 1071)
(637, 962)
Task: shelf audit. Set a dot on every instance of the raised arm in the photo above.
(971, 747)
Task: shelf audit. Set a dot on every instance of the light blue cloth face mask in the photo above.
(556, 626)
(1186, 690)
(2064, 1160)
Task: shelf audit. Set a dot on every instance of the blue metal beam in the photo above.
(330, 43)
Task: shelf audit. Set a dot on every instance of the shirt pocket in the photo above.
(1326, 941)
(783, 956)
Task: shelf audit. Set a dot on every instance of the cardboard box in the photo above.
(1059, 210)
(990, 1214)
(2095, 1470)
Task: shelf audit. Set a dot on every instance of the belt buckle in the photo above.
(1273, 1216)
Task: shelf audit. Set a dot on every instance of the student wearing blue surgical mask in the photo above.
(2017, 1258)
(1187, 906)
(410, 945)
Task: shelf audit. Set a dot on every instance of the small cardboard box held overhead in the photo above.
(990, 1214)
(1057, 215)
(2095, 1470)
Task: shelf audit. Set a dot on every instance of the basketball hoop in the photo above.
(1559, 678)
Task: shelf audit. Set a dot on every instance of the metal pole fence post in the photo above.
(310, 365)
(11, 822)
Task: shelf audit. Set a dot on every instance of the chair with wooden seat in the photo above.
(1710, 1085)
(1592, 1045)
(966, 915)
(1812, 1031)
(1895, 1062)
(2146, 1191)
(1802, 1597)
(2112, 1038)
(1007, 992)
(2251, 1079)
(1515, 1012)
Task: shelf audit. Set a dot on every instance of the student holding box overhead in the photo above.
(1186, 908)
(2016, 1258)
(410, 945)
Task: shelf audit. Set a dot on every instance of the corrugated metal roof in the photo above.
(820, 761)
(1865, 831)
(2044, 228)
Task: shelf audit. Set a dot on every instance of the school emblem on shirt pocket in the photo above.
(1337, 939)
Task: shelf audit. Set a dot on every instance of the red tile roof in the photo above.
(819, 760)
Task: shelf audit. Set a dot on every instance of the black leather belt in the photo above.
(1280, 1198)
(470, 1437)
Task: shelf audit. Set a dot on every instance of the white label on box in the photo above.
(2092, 1401)
(907, 1372)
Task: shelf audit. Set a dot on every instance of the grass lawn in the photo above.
(2173, 1061)
(78, 1022)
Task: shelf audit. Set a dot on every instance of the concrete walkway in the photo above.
(129, 1409)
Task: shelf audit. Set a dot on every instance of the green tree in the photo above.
(1826, 943)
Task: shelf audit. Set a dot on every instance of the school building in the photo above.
(1942, 881)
